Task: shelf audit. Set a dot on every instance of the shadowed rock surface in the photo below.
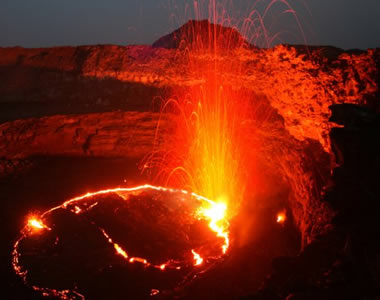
(202, 35)
(114, 134)
(344, 263)
(299, 84)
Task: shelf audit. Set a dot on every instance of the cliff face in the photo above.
(115, 134)
(300, 87)
(298, 84)
(342, 264)
(40, 82)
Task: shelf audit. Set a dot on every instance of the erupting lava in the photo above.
(188, 209)
(209, 155)
(216, 213)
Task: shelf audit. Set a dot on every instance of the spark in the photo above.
(77, 210)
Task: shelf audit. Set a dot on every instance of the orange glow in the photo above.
(120, 250)
(77, 210)
(213, 212)
(35, 224)
(207, 153)
(281, 217)
(138, 259)
(216, 214)
(198, 260)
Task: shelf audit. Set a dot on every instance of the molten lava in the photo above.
(188, 209)
(216, 213)
(198, 260)
(35, 224)
(209, 154)
(281, 217)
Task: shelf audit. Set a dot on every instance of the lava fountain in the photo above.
(210, 152)
(159, 237)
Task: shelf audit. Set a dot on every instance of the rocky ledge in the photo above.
(114, 134)
(299, 82)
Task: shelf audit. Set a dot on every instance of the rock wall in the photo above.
(303, 165)
(115, 134)
(342, 263)
(300, 86)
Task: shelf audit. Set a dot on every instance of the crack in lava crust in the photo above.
(44, 233)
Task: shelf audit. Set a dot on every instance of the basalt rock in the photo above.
(343, 263)
(13, 167)
(202, 35)
(115, 134)
(339, 230)
(300, 85)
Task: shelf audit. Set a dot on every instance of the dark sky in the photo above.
(43, 23)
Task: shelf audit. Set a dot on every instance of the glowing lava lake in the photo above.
(242, 151)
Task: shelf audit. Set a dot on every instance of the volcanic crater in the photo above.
(80, 119)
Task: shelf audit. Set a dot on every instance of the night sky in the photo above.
(43, 23)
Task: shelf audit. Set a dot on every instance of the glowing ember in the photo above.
(192, 208)
(281, 217)
(198, 260)
(120, 251)
(35, 224)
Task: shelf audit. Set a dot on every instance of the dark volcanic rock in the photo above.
(202, 35)
(340, 259)
(87, 79)
(115, 134)
(40, 82)
(13, 167)
(344, 263)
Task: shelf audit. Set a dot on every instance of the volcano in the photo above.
(297, 125)
(195, 33)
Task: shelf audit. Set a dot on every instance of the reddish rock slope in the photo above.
(301, 87)
(115, 134)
